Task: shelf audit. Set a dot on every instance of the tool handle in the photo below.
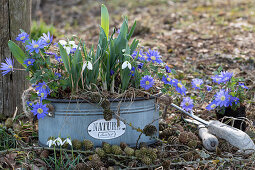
(210, 142)
(233, 135)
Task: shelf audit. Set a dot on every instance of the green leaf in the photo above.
(17, 52)
(105, 19)
(131, 31)
(64, 57)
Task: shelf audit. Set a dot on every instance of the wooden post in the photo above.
(14, 15)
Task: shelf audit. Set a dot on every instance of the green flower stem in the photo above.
(61, 160)
(55, 156)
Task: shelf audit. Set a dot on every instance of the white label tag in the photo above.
(102, 129)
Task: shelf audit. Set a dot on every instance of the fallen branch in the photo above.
(43, 148)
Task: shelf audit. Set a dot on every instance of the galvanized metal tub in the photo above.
(80, 120)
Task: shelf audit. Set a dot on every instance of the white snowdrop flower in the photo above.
(126, 64)
(72, 42)
(50, 143)
(59, 141)
(84, 66)
(75, 46)
(68, 49)
(68, 140)
(123, 50)
(62, 42)
(89, 65)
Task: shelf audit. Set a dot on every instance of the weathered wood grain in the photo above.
(14, 15)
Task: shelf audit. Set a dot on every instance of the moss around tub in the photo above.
(80, 120)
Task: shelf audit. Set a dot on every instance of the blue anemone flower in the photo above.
(222, 98)
(58, 58)
(209, 88)
(243, 86)
(234, 100)
(35, 46)
(50, 53)
(217, 79)
(225, 76)
(179, 87)
(168, 70)
(111, 72)
(40, 110)
(147, 82)
(47, 38)
(196, 83)
(132, 71)
(211, 106)
(42, 88)
(166, 79)
(140, 66)
(140, 57)
(154, 56)
(29, 61)
(7, 67)
(30, 104)
(58, 75)
(43, 94)
(187, 104)
(22, 37)
(174, 82)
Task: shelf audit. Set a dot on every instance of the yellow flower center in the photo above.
(29, 62)
(179, 85)
(217, 79)
(198, 85)
(213, 106)
(187, 104)
(22, 38)
(10, 66)
(222, 98)
(48, 41)
(168, 79)
(36, 46)
(153, 58)
(147, 82)
(42, 94)
(44, 87)
(40, 110)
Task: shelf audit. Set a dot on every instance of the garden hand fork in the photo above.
(233, 135)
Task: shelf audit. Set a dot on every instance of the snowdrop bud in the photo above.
(62, 42)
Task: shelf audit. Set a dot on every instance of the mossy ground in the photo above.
(194, 37)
